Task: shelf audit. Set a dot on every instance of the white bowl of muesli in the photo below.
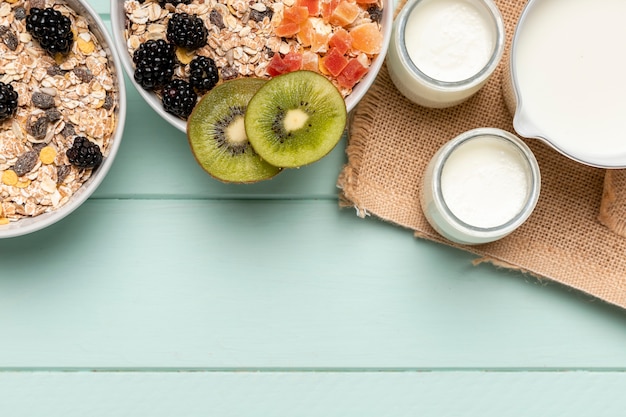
(206, 42)
(62, 110)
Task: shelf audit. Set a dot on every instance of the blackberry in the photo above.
(8, 101)
(187, 31)
(84, 153)
(179, 98)
(51, 29)
(203, 74)
(154, 64)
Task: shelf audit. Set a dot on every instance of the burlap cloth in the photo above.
(575, 236)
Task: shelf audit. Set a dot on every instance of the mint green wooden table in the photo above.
(171, 294)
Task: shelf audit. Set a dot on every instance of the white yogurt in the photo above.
(571, 74)
(449, 40)
(443, 51)
(485, 181)
(480, 186)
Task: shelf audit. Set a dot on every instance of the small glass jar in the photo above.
(442, 52)
(480, 186)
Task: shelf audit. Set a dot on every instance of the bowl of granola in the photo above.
(174, 51)
(62, 110)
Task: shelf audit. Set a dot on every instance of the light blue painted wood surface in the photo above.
(169, 293)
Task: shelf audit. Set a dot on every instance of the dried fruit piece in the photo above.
(367, 38)
(345, 13)
(341, 40)
(217, 20)
(9, 38)
(62, 172)
(296, 14)
(42, 100)
(351, 74)
(334, 62)
(37, 128)
(25, 163)
(287, 28)
(312, 5)
(83, 74)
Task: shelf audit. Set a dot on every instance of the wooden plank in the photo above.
(277, 284)
(120, 394)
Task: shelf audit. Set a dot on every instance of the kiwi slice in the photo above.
(217, 136)
(295, 119)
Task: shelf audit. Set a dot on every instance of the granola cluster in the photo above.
(61, 97)
(242, 35)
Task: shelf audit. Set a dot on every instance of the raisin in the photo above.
(53, 115)
(108, 101)
(20, 13)
(229, 72)
(62, 172)
(68, 130)
(54, 70)
(83, 74)
(216, 19)
(25, 163)
(37, 128)
(9, 38)
(258, 16)
(42, 100)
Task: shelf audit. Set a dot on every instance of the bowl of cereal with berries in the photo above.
(175, 51)
(62, 110)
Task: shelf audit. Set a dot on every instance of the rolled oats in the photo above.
(58, 99)
(241, 37)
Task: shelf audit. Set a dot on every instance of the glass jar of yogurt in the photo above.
(441, 52)
(480, 186)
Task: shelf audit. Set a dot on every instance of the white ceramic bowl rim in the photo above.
(28, 225)
(118, 20)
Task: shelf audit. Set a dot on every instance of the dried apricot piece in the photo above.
(287, 29)
(335, 62)
(345, 13)
(310, 61)
(296, 14)
(312, 5)
(351, 74)
(305, 34)
(341, 40)
(367, 38)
